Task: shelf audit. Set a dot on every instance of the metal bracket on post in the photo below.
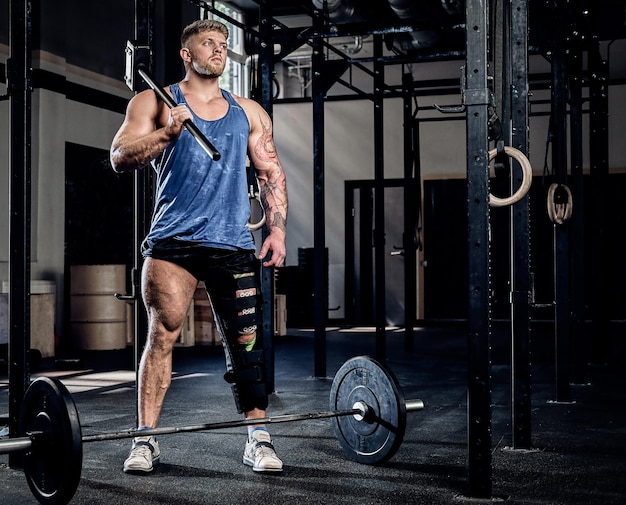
(455, 109)
(135, 292)
(136, 55)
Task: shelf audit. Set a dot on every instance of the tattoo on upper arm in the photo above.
(265, 149)
(273, 187)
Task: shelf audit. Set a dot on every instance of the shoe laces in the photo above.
(264, 450)
(143, 451)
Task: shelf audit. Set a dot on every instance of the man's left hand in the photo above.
(273, 251)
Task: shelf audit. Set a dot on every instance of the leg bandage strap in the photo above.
(243, 306)
(248, 380)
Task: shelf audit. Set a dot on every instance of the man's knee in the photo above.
(166, 323)
(247, 338)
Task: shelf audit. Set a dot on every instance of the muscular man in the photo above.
(199, 231)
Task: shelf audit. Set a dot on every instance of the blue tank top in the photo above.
(201, 202)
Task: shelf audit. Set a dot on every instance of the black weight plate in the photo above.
(378, 437)
(54, 462)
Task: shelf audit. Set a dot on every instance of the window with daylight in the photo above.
(235, 78)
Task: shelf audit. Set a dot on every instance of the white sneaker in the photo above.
(143, 456)
(260, 453)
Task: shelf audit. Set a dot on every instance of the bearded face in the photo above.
(212, 66)
(207, 53)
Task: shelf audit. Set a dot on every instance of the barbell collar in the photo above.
(19, 444)
(412, 405)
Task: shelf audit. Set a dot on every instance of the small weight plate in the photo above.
(377, 437)
(54, 462)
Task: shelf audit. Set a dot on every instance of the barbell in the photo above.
(367, 409)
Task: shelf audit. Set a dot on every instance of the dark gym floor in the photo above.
(578, 454)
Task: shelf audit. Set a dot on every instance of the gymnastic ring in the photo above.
(559, 213)
(527, 173)
(255, 201)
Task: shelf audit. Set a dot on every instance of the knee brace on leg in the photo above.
(246, 359)
(247, 377)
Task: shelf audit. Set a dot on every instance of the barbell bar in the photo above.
(367, 409)
(190, 125)
(285, 418)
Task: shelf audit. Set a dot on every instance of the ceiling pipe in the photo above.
(409, 9)
(339, 10)
(434, 12)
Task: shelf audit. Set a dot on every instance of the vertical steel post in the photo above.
(320, 287)
(266, 73)
(379, 200)
(520, 234)
(577, 242)
(477, 98)
(366, 260)
(599, 173)
(411, 145)
(349, 251)
(142, 197)
(20, 89)
(561, 232)
(168, 24)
